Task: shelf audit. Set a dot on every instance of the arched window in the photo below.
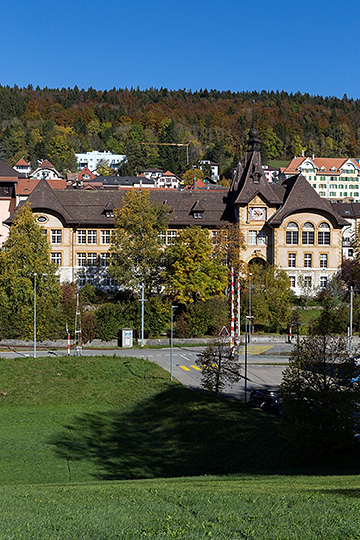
(324, 234)
(292, 233)
(308, 234)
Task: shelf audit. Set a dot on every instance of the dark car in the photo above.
(266, 400)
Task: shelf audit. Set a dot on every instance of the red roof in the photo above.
(46, 163)
(22, 163)
(326, 163)
(26, 185)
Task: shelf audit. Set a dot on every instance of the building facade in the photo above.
(332, 178)
(286, 224)
(92, 159)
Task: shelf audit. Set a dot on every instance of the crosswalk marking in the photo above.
(185, 368)
(196, 367)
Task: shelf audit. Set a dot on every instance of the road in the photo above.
(265, 363)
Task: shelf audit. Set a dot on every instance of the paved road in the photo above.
(265, 363)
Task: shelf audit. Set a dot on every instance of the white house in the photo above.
(91, 159)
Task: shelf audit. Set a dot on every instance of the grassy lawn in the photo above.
(274, 507)
(107, 448)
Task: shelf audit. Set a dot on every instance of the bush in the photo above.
(202, 318)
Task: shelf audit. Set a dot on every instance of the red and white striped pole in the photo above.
(232, 309)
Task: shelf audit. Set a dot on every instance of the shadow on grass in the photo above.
(179, 433)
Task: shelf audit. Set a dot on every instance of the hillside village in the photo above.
(298, 218)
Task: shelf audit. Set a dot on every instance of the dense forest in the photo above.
(56, 123)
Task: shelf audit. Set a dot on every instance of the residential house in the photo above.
(92, 159)
(332, 178)
(23, 167)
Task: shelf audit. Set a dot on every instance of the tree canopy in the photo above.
(26, 252)
(136, 249)
(54, 123)
(193, 270)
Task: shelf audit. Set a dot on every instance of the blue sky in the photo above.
(308, 46)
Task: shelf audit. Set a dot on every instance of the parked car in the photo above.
(266, 400)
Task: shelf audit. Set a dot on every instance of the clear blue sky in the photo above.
(307, 46)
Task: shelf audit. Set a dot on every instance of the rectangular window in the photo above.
(81, 237)
(170, 237)
(324, 238)
(307, 282)
(92, 237)
(56, 258)
(92, 259)
(292, 260)
(81, 259)
(323, 282)
(323, 260)
(81, 280)
(292, 281)
(292, 237)
(104, 259)
(308, 260)
(162, 237)
(105, 237)
(56, 236)
(308, 238)
(252, 238)
(262, 239)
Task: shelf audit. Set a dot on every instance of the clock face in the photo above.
(258, 214)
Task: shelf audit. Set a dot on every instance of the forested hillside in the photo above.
(56, 123)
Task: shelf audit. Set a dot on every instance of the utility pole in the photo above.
(171, 341)
(142, 312)
(35, 275)
(351, 319)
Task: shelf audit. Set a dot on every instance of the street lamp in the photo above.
(35, 275)
(351, 319)
(250, 317)
(171, 340)
(247, 318)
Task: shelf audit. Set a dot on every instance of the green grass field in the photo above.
(108, 448)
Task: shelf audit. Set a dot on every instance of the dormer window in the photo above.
(109, 214)
(197, 210)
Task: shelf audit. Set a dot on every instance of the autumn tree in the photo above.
(26, 252)
(189, 176)
(228, 242)
(194, 272)
(218, 367)
(270, 297)
(104, 169)
(136, 249)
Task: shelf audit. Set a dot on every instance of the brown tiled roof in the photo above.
(349, 210)
(82, 207)
(7, 172)
(298, 195)
(244, 189)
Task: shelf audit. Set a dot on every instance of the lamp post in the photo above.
(171, 340)
(351, 319)
(247, 318)
(35, 275)
(250, 317)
